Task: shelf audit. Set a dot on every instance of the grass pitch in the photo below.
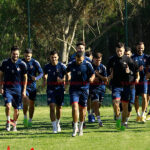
(40, 136)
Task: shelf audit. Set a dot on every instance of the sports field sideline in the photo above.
(40, 136)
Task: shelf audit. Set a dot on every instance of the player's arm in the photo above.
(25, 79)
(44, 79)
(103, 78)
(1, 82)
(91, 79)
(137, 77)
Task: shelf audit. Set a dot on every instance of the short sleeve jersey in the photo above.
(141, 60)
(13, 74)
(53, 72)
(33, 67)
(102, 71)
(80, 74)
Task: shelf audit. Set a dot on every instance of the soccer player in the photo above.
(133, 79)
(80, 47)
(13, 81)
(33, 68)
(141, 88)
(54, 73)
(121, 66)
(97, 88)
(81, 74)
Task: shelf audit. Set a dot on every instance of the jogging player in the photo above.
(54, 74)
(33, 68)
(13, 81)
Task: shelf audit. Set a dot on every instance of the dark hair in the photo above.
(53, 52)
(88, 53)
(14, 48)
(97, 55)
(80, 43)
(139, 43)
(119, 45)
(127, 49)
(28, 50)
(79, 54)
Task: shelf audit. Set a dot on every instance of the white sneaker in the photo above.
(14, 129)
(54, 127)
(75, 130)
(81, 132)
(58, 128)
(8, 126)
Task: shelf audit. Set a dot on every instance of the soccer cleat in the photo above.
(148, 117)
(143, 119)
(81, 132)
(8, 126)
(29, 124)
(122, 128)
(25, 123)
(58, 127)
(54, 128)
(138, 119)
(14, 129)
(118, 124)
(101, 124)
(75, 130)
(93, 118)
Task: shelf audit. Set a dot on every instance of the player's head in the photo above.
(54, 57)
(128, 52)
(80, 46)
(89, 54)
(97, 58)
(79, 57)
(28, 54)
(120, 49)
(15, 53)
(140, 48)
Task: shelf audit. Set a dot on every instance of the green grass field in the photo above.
(40, 137)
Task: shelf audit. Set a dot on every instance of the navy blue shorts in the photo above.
(141, 88)
(55, 96)
(13, 98)
(97, 94)
(128, 94)
(116, 93)
(79, 96)
(31, 94)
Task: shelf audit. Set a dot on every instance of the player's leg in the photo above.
(144, 105)
(25, 109)
(15, 118)
(82, 109)
(116, 96)
(8, 104)
(144, 89)
(32, 97)
(59, 102)
(74, 99)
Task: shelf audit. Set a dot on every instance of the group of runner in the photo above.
(127, 74)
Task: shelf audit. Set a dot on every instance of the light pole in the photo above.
(28, 16)
(126, 23)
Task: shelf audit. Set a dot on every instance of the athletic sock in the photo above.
(118, 118)
(143, 113)
(25, 116)
(127, 119)
(81, 125)
(8, 118)
(138, 113)
(30, 119)
(98, 119)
